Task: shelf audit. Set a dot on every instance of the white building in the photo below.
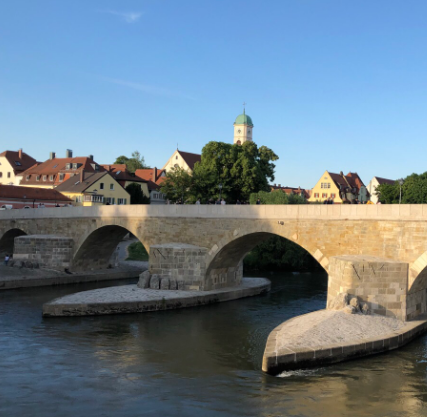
(12, 164)
(374, 183)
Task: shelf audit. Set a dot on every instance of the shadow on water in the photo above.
(190, 362)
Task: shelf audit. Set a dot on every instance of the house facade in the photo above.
(374, 183)
(154, 178)
(12, 164)
(184, 160)
(120, 173)
(339, 188)
(291, 190)
(93, 189)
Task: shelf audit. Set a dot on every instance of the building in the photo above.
(13, 163)
(120, 173)
(154, 178)
(374, 183)
(339, 188)
(291, 190)
(94, 188)
(184, 160)
(15, 197)
(55, 171)
(243, 128)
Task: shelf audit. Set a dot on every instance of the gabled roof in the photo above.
(74, 185)
(385, 181)
(190, 158)
(58, 165)
(291, 190)
(120, 173)
(20, 161)
(31, 193)
(153, 176)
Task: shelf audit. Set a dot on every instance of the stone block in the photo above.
(164, 283)
(144, 280)
(155, 282)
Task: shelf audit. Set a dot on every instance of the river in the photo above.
(192, 362)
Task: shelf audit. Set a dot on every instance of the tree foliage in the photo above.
(136, 194)
(414, 190)
(136, 161)
(241, 169)
(177, 185)
(276, 197)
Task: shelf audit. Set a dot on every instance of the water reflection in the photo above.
(190, 362)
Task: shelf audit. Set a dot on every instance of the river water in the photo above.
(193, 362)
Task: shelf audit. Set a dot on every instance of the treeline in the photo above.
(414, 190)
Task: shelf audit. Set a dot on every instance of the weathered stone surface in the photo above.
(18, 264)
(355, 303)
(173, 284)
(365, 309)
(144, 280)
(164, 284)
(28, 264)
(180, 284)
(155, 282)
(11, 263)
(339, 302)
(350, 309)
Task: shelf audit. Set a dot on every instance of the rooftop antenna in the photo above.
(244, 104)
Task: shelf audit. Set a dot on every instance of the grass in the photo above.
(137, 252)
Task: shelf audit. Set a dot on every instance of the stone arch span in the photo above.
(416, 302)
(98, 247)
(7, 241)
(224, 263)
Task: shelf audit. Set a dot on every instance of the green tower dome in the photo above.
(244, 119)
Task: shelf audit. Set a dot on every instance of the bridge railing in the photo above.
(279, 212)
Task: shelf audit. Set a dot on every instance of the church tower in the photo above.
(243, 127)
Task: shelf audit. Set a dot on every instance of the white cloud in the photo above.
(128, 17)
(149, 89)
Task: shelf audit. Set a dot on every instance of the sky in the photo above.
(337, 85)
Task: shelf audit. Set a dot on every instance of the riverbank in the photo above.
(327, 336)
(132, 299)
(13, 278)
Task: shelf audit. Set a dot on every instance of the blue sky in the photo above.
(337, 85)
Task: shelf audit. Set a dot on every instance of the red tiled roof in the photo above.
(190, 158)
(31, 193)
(385, 181)
(56, 166)
(291, 190)
(121, 174)
(153, 176)
(25, 160)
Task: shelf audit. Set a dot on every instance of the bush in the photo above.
(137, 252)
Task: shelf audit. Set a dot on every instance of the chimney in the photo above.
(81, 175)
(69, 153)
(155, 174)
(52, 155)
(341, 173)
(91, 157)
(279, 185)
(20, 153)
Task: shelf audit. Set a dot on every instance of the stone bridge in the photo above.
(214, 239)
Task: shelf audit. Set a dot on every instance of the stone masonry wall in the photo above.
(179, 262)
(381, 283)
(49, 251)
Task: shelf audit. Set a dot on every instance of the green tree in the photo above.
(276, 197)
(240, 169)
(136, 194)
(414, 190)
(177, 184)
(136, 161)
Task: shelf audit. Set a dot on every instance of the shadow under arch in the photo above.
(97, 249)
(225, 268)
(7, 241)
(416, 301)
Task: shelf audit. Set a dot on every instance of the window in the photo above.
(50, 177)
(67, 166)
(101, 186)
(28, 177)
(55, 165)
(110, 200)
(176, 157)
(17, 163)
(74, 166)
(44, 177)
(61, 177)
(111, 186)
(1, 174)
(121, 201)
(38, 178)
(333, 196)
(324, 195)
(8, 175)
(316, 195)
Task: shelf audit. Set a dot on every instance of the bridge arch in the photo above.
(7, 241)
(98, 247)
(224, 263)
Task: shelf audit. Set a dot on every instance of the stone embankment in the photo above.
(133, 299)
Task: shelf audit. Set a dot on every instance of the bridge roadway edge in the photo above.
(287, 359)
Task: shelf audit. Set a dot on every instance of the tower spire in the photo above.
(244, 107)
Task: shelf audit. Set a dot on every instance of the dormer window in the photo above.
(67, 166)
(38, 178)
(44, 177)
(61, 177)
(50, 177)
(75, 166)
